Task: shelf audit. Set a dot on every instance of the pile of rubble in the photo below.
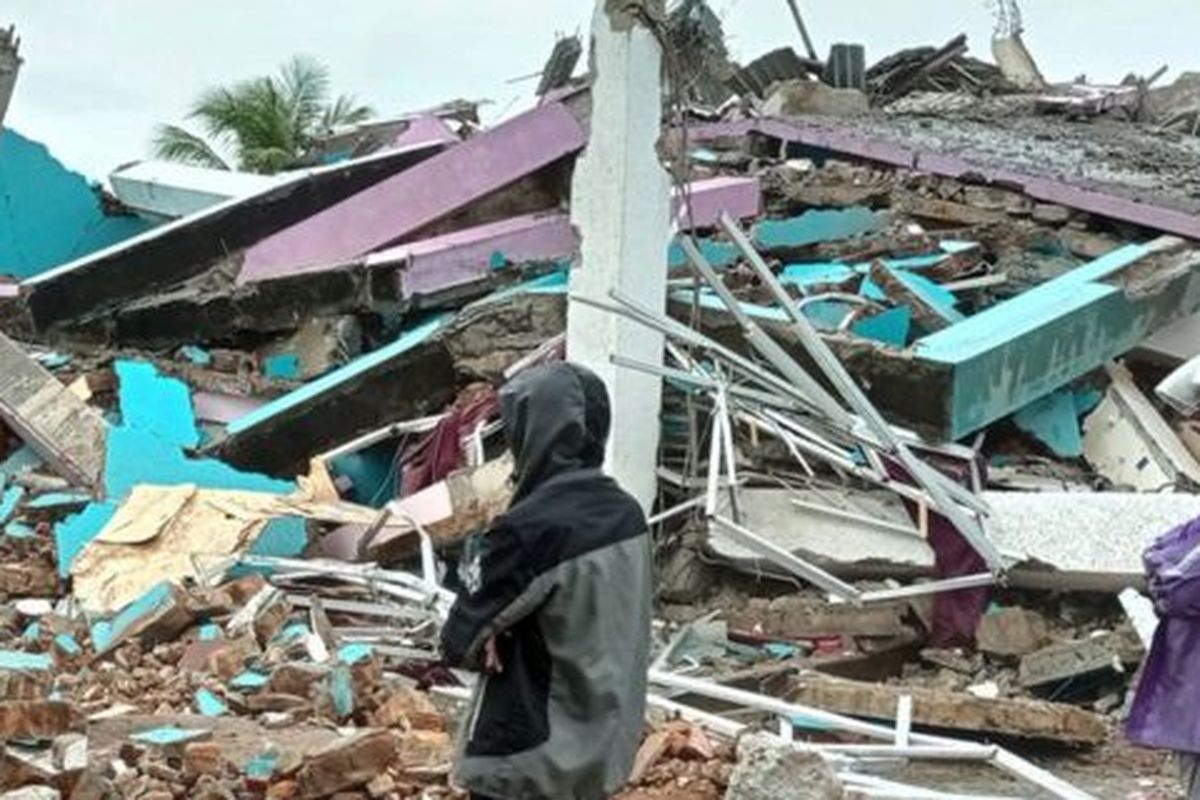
(915, 437)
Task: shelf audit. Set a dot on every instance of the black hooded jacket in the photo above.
(563, 583)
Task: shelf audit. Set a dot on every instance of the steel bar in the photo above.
(786, 560)
(968, 526)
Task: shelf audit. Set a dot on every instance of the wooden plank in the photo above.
(1025, 719)
(61, 428)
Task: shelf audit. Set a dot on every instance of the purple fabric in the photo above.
(1166, 708)
(956, 614)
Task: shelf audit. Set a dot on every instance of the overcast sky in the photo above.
(99, 74)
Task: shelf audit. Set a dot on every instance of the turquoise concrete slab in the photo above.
(718, 254)
(816, 226)
(1054, 421)
(889, 327)
(1015, 352)
(341, 689)
(284, 537)
(55, 500)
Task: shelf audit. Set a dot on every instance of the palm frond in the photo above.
(344, 111)
(179, 144)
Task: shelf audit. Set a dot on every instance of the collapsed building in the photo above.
(913, 437)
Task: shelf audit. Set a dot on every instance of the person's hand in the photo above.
(491, 657)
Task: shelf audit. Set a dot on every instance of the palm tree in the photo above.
(266, 123)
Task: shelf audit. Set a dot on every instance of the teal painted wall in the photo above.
(48, 214)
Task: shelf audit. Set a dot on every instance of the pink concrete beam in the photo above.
(424, 130)
(741, 198)
(404, 203)
(466, 256)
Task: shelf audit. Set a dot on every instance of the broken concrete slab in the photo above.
(1108, 652)
(401, 206)
(1015, 352)
(1024, 719)
(169, 190)
(60, 427)
(165, 256)
(1127, 441)
(910, 148)
(281, 436)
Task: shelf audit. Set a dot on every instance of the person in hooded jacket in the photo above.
(556, 607)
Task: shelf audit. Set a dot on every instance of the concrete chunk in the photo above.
(346, 764)
(1011, 632)
(767, 769)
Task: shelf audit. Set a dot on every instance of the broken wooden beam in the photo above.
(1023, 719)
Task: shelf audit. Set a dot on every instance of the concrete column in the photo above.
(620, 204)
(10, 65)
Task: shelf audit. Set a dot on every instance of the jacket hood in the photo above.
(556, 418)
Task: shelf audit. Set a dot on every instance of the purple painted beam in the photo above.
(1049, 190)
(466, 256)
(398, 206)
(426, 129)
(741, 198)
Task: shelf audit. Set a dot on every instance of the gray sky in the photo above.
(100, 73)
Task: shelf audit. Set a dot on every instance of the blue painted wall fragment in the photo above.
(1087, 400)
(283, 537)
(373, 473)
(208, 704)
(49, 215)
(20, 661)
(19, 530)
(156, 404)
(890, 327)
(263, 765)
(341, 690)
(816, 226)
(54, 500)
(1052, 420)
(716, 253)
(196, 355)
(935, 297)
(9, 501)
(168, 735)
(284, 366)
(354, 652)
(249, 680)
(23, 460)
(67, 644)
(72, 534)
(209, 632)
(817, 273)
(108, 632)
(827, 315)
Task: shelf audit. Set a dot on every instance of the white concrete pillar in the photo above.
(621, 206)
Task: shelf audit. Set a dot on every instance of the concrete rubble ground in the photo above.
(911, 444)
